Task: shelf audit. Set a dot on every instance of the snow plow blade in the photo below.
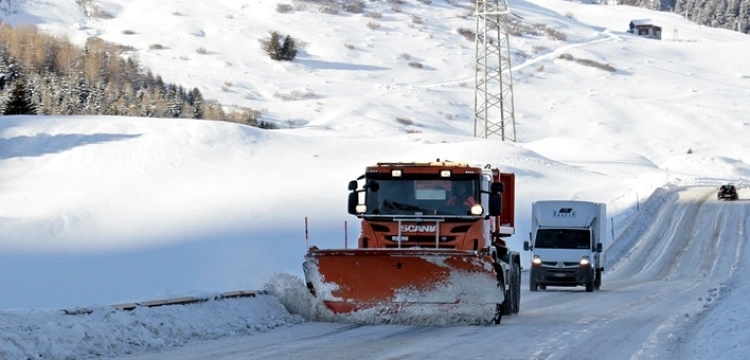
(386, 284)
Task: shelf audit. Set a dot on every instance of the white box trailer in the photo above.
(566, 244)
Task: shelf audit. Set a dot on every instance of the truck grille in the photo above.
(553, 264)
(420, 238)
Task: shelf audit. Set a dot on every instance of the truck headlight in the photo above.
(536, 261)
(476, 209)
(361, 209)
(585, 261)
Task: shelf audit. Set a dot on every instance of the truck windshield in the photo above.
(563, 239)
(417, 196)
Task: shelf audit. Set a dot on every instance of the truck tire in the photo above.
(507, 305)
(516, 288)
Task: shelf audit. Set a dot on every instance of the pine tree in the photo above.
(19, 103)
(289, 49)
(273, 49)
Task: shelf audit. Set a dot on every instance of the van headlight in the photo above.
(536, 261)
(585, 261)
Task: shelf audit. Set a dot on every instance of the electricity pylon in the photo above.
(493, 93)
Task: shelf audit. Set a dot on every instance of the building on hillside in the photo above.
(645, 28)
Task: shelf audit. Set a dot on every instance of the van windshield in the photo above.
(563, 239)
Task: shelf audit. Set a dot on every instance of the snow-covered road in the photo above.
(674, 263)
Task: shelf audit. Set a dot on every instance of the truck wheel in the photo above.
(516, 288)
(508, 304)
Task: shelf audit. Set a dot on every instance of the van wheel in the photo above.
(598, 281)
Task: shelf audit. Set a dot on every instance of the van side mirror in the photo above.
(526, 246)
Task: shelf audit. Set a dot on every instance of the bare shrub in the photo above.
(588, 62)
(354, 7)
(177, 13)
(446, 115)
(536, 49)
(416, 65)
(517, 28)
(396, 9)
(467, 33)
(201, 50)
(465, 14)
(349, 46)
(404, 56)
(373, 25)
(570, 15)
(156, 46)
(413, 131)
(284, 8)
(597, 65)
(331, 9)
(300, 44)
(554, 34)
(128, 32)
(416, 19)
(375, 14)
(426, 2)
(404, 121)
(295, 95)
(540, 68)
(397, 1)
(98, 13)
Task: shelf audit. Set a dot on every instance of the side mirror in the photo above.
(353, 200)
(497, 187)
(353, 185)
(599, 247)
(526, 246)
(496, 204)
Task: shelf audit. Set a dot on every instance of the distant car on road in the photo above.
(727, 192)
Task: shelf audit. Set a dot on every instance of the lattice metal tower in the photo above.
(493, 93)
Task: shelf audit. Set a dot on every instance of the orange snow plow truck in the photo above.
(431, 244)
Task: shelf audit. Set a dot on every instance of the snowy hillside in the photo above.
(108, 210)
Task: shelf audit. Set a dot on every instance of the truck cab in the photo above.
(407, 205)
(566, 241)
